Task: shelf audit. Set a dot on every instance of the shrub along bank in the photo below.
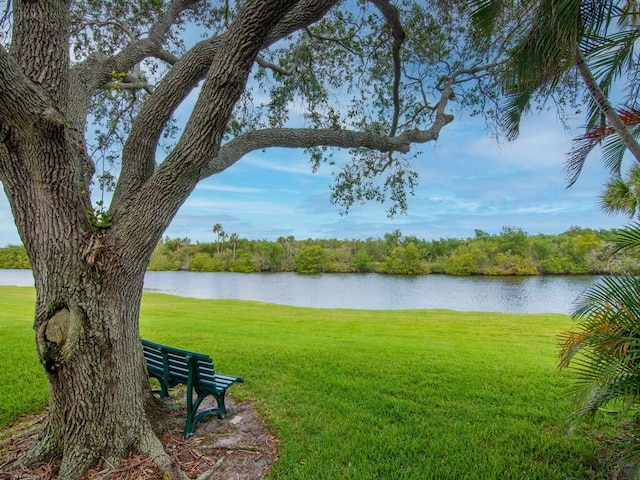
(512, 252)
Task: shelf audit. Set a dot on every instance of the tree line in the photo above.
(511, 252)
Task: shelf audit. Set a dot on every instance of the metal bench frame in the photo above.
(172, 366)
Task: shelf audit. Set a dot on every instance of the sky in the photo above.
(467, 181)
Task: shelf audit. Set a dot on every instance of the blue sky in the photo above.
(467, 181)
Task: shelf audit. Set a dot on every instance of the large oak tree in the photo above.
(371, 77)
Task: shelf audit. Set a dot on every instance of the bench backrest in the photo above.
(173, 365)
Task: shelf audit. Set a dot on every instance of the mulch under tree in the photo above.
(238, 447)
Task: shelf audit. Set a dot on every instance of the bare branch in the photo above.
(342, 41)
(390, 13)
(254, 140)
(465, 73)
(277, 68)
(130, 86)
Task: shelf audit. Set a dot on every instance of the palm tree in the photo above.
(603, 354)
(220, 235)
(561, 35)
(623, 194)
(596, 39)
(234, 238)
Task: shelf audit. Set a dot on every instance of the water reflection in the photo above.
(368, 291)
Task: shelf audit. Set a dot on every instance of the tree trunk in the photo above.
(604, 105)
(88, 289)
(88, 342)
(88, 275)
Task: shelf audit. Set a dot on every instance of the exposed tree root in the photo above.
(237, 448)
(76, 462)
(151, 446)
(44, 449)
(209, 473)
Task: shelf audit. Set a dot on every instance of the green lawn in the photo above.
(366, 394)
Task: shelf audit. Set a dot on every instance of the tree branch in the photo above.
(131, 85)
(152, 44)
(254, 140)
(324, 38)
(94, 74)
(159, 199)
(277, 68)
(390, 13)
(114, 23)
(21, 101)
(165, 56)
(138, 158)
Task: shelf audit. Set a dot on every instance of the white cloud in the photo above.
(216, 206)
(227, 188)
(281, 161)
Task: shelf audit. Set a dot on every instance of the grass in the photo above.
(367, 394)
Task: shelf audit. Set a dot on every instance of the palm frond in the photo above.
(603, 355)
(612, 296)
(594, 135)
(596, 16)
(485, 14)
(582, 147)
(617, 197)
(512, 110)
(629, 14)
(544, 54)
(565, 19)
(613, 56)
(613, 150)
(627, 238)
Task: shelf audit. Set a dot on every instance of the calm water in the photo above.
(368, 291)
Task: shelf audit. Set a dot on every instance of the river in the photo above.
(540, 294)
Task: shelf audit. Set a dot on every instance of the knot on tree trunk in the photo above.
(58, 335)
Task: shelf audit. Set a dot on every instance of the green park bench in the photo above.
(172, 366)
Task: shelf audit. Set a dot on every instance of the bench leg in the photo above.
(193, 417)
(164, 391)
(190, 422)
(221, 411)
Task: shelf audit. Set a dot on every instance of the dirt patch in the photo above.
(238, 447)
